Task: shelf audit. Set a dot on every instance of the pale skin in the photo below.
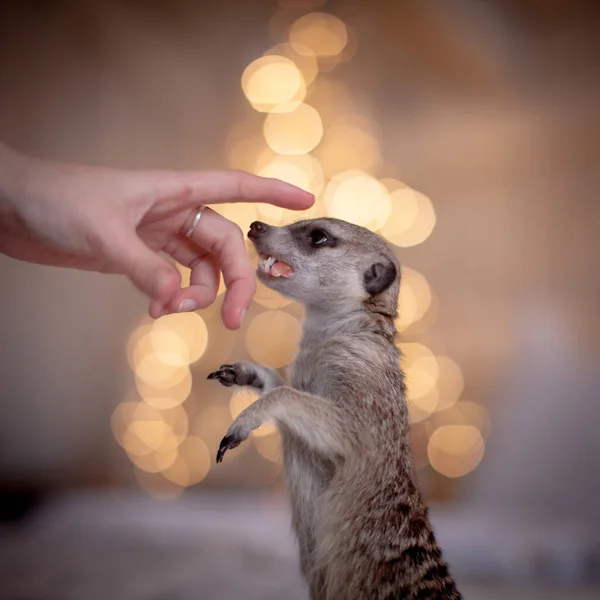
(118, 221)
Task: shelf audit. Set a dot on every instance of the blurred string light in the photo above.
(152, 425)
(323, 34)
(359, 198)
(414, 299)
(303, 58)
(455, 450)
(273, 83)
(350, 142)
(295, 132)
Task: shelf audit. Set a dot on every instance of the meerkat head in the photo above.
(328, 264)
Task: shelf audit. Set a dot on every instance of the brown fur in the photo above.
(361, 522)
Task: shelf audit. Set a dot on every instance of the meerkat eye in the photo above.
(318, 237)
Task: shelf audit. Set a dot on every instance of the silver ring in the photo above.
(195, 221)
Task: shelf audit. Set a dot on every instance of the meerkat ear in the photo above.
(378, 277)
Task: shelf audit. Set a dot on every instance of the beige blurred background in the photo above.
(467, 133)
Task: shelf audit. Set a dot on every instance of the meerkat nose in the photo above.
(257, 229)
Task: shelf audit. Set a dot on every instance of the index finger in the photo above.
(225, 241)
(188, 189)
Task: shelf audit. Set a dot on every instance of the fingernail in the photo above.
(242, 315)
(188, 305)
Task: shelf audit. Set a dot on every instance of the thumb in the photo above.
(148, 271)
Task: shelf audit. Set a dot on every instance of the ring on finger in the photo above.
(197, 216)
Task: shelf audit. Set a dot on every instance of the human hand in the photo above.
(116, 221)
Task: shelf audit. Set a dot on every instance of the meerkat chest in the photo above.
(309, 371)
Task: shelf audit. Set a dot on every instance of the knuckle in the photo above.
(240, 179)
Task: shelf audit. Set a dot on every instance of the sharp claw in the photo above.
(214, 375)
(227, 443)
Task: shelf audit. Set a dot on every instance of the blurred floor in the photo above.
(130, 547)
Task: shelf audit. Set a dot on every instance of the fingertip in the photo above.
(230, 318)
(297, 198)
(233, 316)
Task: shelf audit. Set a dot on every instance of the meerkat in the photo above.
(361, 522)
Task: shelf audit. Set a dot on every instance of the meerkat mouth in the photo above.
(269, 265)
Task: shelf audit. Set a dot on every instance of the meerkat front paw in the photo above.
(236, 374)
(236, 434)
(249, 419)
(229, 442)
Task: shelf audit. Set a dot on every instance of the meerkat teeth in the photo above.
(270, 262)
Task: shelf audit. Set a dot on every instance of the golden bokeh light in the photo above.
(328, 63)
(212, 423)
(324, 34)
(138, 344)
(303, 171)
(169, 346)
(455, 450)
(421, 373)
(414, 299)
(405, 208)
(143, 437)
(272, 338)
(145, 431)
(154, 462)
(153, 371)
(465, 412)
(350, 143)
(412, 218)
(168, 397)
(190, 327)
(122, 416)
(451, 382)
(269, 447)
(288, 171)
(191, 464)
(421, 407)
(421, 376)
(305, 60)
(177, 420)
(412, 352)
(358, 198)
(273, 81)
(240, 400)
(295, 132)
